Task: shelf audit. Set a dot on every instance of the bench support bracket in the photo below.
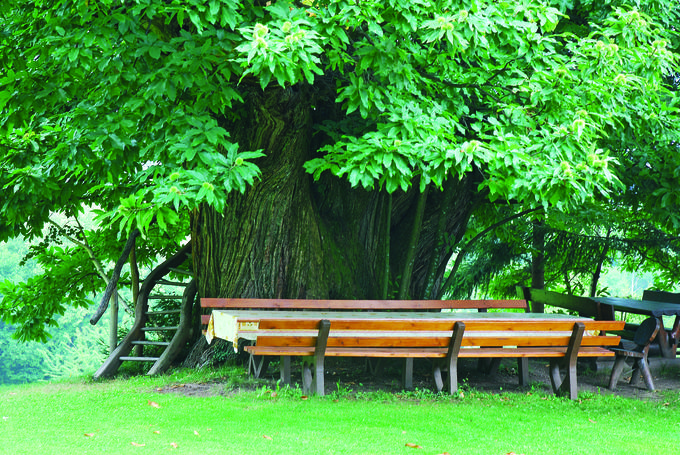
(257, 365)
(451, 361)
(313, 367)
(568, 386)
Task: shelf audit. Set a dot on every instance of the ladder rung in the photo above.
(151, 343)
(140, 359)
(158, 329)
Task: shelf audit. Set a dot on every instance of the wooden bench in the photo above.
(444, 341)
(587, 307)
(583, 306)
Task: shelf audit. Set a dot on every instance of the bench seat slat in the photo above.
(543, 352)
(426, 338)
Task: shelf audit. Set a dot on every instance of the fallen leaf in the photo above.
(156, 432)
(413, 446)
(304, 397)
(137, 444)
(153, 404)
(174, 445)
(591, 421)
(267, 437)
(89, 435)
(196, 433)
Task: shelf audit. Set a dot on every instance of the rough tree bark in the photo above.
(291, 237)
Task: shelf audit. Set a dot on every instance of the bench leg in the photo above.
(313, 381)
(374, 366)
(523, 371)
(555, 377)
(617, 369)
(257, 365)
(488, 366)
(451, 361)
(568, 385)
(437, 373)
(453, 377)
(284, 368)
(312, 376)
(642, 369)
(408, 373)
(306, 377)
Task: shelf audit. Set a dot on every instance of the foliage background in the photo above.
(75, 348)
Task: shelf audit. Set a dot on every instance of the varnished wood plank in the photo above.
(429, 353)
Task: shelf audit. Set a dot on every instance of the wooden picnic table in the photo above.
(235, 325)
(667, 339)
(408, 335)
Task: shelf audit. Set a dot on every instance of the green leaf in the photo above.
(375, 28)
(155, 52)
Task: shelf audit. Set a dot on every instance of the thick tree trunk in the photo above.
(291, 237)
(538, 262)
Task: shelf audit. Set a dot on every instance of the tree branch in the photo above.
(111, 286)
(464, 250)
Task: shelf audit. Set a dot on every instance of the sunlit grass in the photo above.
(132, 416)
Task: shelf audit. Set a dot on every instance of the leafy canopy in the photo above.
(126, 105)
(122, 104)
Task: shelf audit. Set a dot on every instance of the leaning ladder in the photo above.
(136, 338)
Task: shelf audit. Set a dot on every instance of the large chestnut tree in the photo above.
(314, 149)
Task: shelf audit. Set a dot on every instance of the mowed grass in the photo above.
(130, 416)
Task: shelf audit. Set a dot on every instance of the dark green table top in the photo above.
(646, 307)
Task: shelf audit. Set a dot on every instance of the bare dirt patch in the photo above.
(350, 376)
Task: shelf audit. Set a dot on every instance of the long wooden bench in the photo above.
(445, 341)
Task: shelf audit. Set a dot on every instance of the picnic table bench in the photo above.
(260, 366)
(654, 303)
(445, 341)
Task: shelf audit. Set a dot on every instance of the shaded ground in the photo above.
(347, 376)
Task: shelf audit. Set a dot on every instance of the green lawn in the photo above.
(130, 416)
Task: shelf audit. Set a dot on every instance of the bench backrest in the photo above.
(661, 296)
(584, 306)
(402, 334)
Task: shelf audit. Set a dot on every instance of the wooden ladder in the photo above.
(145, 314)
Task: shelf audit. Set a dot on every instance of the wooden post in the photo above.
(113, 323)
